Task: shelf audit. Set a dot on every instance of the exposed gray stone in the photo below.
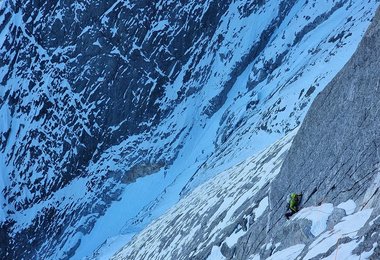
(335, 154)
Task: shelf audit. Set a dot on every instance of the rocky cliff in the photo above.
(336, 154)
(333, 159)
(111, 111)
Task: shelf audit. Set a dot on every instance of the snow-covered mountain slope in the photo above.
(333, 159)
(215, 221)
(110, 111)
(219, 210)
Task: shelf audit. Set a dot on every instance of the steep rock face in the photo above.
(333, 159)
(336, 154)
(81, 77)
(97, 94)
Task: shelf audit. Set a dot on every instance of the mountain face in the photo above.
(211, 219)
(111, 111)
(333, 158)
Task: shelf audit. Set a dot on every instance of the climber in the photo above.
(293, 204)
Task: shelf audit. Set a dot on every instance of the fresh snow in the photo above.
(348, 227)
(289, 253)
(113, 222)
(215, 254)
(344, 251)
(317, 215)
(348, 206)
(254, 257)
(261, 208)
(233, 238)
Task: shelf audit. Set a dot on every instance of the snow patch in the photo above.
(348, 206)
(261, 208)
(233, 238)
(289, 253)
(348, 227)
(215, 254)
(317, 215)
(254, 257)
(344, 251)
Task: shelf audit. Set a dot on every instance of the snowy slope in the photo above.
(216, 211)
(333, 158)
(219, 210)
(129, 105)
(244, 124)
(212, 221)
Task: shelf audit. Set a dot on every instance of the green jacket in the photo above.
(294, 201)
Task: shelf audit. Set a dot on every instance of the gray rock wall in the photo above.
(336, 154)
